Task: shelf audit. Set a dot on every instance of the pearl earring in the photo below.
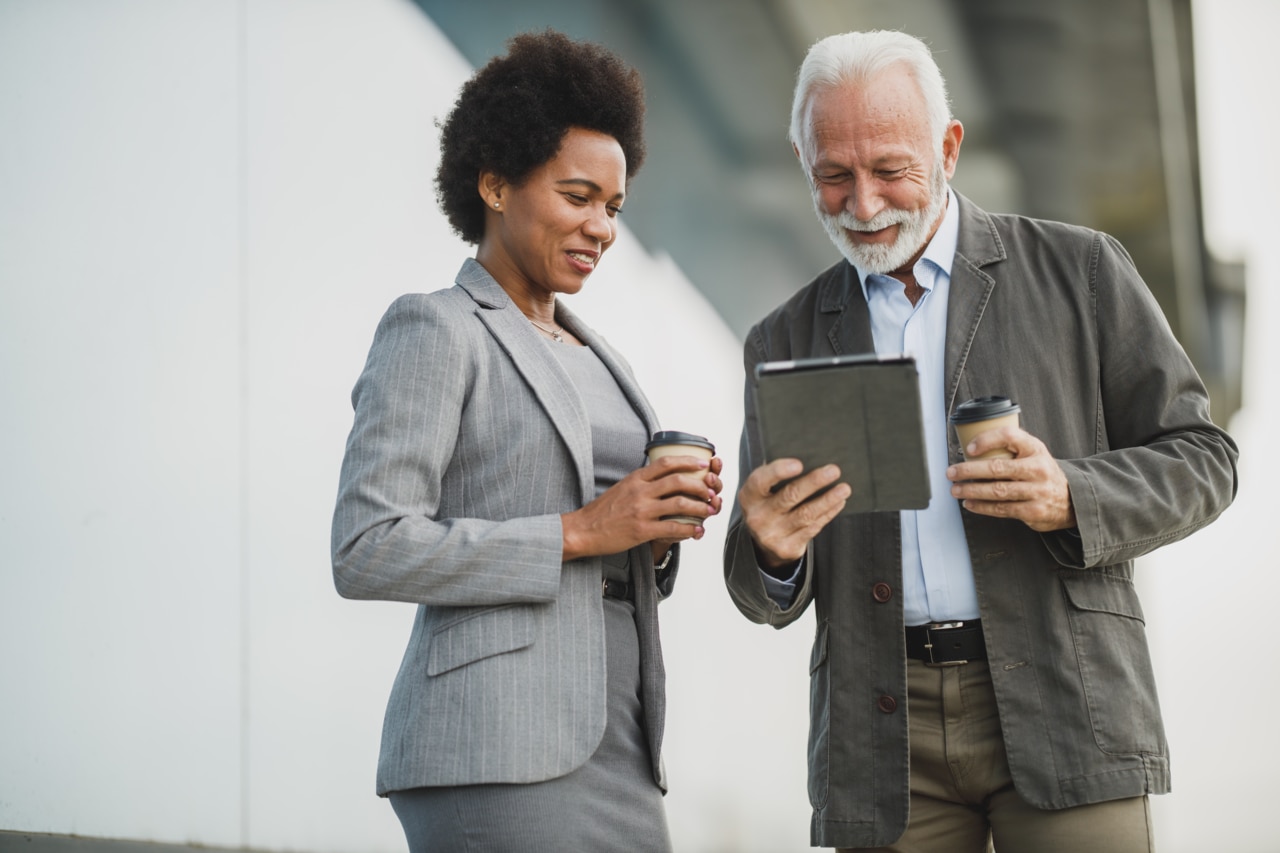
(495, 204)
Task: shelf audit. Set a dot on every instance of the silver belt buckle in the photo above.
(940, 626)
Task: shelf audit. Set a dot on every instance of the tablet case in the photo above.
(861, 412)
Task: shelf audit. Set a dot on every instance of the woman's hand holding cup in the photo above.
(664, 502)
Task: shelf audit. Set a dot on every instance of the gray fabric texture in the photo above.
(618, 435)
(469, 441)
(611, 803)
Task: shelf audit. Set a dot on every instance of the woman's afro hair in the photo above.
(511, 117)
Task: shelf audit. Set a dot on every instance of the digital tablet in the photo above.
(861, 412)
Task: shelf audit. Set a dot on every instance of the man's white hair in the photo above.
(852, 59)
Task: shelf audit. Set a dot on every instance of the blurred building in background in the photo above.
(1082, 111)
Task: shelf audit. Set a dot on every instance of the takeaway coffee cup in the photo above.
(675, 443)
(981, 414)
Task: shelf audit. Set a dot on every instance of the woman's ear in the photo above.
(491, 188)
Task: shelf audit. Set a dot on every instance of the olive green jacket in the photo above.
(1057, 318)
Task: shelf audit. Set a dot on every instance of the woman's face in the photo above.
(546, 235)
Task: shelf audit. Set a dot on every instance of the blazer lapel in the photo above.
(977, 246)
(550, 383)
(842, 295)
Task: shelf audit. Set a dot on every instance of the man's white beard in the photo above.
(913, 230)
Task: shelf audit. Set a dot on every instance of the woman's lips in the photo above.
(584, 262)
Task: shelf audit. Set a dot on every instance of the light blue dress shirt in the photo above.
(937, 576)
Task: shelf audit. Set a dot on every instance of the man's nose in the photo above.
(864, 202)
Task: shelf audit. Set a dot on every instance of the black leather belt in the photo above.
(947, 643)
(616, 589)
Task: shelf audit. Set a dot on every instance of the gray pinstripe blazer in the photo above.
(469, 441)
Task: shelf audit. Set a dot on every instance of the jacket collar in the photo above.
(979, 246)
(549, 381)
(978, 243)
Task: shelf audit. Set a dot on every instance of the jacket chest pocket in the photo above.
(478, 635)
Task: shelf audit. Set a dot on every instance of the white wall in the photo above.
(1211, 600)
(204, 208)
(120, 586)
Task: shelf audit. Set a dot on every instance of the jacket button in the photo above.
(882, 592)
(887, 704)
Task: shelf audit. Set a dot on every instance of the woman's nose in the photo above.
(599, 225)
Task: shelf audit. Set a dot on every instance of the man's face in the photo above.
(879, 186)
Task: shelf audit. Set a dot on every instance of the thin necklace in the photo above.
(555, 335)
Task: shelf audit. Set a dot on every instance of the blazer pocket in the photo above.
(1109, 634)
(478, 635)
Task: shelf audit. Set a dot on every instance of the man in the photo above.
(980, 670)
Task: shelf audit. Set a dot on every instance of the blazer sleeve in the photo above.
(741, 568)
(388, 539)
(1166, 469)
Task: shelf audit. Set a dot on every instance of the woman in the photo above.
(494, 477)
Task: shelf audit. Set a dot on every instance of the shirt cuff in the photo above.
(783, 592)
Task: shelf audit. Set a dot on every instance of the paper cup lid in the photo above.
(983, 408)
(671, 436)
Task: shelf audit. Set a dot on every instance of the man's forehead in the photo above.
(891, 92)
(841, 130)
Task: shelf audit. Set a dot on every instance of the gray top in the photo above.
(618, 435)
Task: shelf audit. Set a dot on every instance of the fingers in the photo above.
(625, 516)
(779, 484)
(1031, 487)
(783, 510)
(1010, 439)
(708, 471)
(665, 465)
(1029, 453)
(761, 481)
(713, 475)
(687, 475)
(672, 487)
(686, 507)
(678, 531)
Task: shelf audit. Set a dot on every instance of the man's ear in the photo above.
(951, 139)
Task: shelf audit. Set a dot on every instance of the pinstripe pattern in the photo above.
(469, 440)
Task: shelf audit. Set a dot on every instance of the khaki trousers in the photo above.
(962, 796)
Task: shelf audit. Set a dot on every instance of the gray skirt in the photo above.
(610, 803)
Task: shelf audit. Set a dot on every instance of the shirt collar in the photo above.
(941, 251)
